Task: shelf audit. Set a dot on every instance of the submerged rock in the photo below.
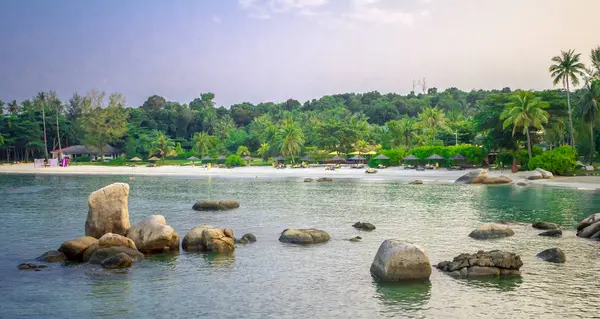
(308, 180)
(304, 236)
(521, 184)
(52, 256)
(397, 261)
(325, 179)
(108, 211)
(28, 266)
(544, 225)
(483, 263)
(474, 177)
(491, 231)
(104, 253)
(364, 226)
(551, 233)
(416, 182)
(355, 239)
(212, 205)
(109, 240)
(206, 238)
(153, 235)
(554, 255)
(120, 260)
(75, 248)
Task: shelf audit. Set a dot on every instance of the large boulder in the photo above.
(473, 177)
(533, 175)
(104, 253)
(399, 261)
(75, 248)
(590, 230)
(153, 235)
(202, 205)
(497, 180)
(544, 225)
(553, 255)
(304, 236)
(364, 226)
(52, 256)
(206, 238)
(491, 231)
(545, 173)
(108, 240)
(551, 233)
(108, 212)
(483, 263)
(588, 221)
(120, 260)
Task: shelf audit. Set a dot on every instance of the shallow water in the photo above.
(269, 279)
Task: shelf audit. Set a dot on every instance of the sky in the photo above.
(272, 50)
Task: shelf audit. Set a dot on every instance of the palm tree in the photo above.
(526, 111)
(361, 146)
(41, 99)
(54, 100)
(263, 151)
(203, 142)
(13, 107)
(590, 108)
(162, 145)
(567, 69)
(291, 138)
(432, 118)
(242, 151)
(595, 57)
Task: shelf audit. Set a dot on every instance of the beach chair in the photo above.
(53, 162)
(38, 162)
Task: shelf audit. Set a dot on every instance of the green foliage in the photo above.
(242, 151)
(395, 155)
(561, 161)
(474, 154)
(82, 159)
(119, 161)
(234, 161)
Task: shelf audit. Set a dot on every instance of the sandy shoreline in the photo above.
(389, 174)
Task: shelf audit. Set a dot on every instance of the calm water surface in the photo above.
(269, 279)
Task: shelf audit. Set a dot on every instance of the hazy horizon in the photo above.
(272, 50)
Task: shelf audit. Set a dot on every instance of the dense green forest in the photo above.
(501, 120)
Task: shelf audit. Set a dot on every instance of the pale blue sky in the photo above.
(272, 50)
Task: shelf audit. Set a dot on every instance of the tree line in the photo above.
(496, 119)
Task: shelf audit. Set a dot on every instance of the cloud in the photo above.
(217, 20)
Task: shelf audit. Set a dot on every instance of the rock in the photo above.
(521, 184)
(554, 255)
(545, 174)
(589, 230)
(308, 180)
(473, 177)
(552, 233)
(250, 237)
(544, 225)
(355, 239)
(120, 260)
(364, 226)
(304, 236)
(52, 256)
(588, 221)
(491, 231)
(325, 179)
(483, 263)
(203, 205)
(398, 261)
(589, 168)
(109, 240)
(108, 212)
(534, 175)
(595, 236)
(104, 253)
(28, 266)
(416, 182)
(497, 180)
(153, 235)
(75, 248)
(206, 238)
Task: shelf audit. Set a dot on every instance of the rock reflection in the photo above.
(110, 291)
(221, 260)
(167, 260)
(407, 296)
(502, 284)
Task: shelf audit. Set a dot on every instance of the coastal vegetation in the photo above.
(444, 122)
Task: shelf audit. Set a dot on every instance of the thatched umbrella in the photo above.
(135, 159)
(221, 158)
(435, 157)
(154, 159)
(193, 158)
(411, 158)
(207, 158)
(381, 157)
(458, 157)
(337, 159)
(280, 158)
(306, 159)
(357, 158)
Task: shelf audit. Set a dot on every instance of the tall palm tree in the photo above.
(291, 138)
(263, 151)
(567, 69)
(590, 109)
(163, 145)
(595, 57)
(526, 111)
(203, 142)
(13, 107)
(41, 99)
(58, 106)
(432, 118)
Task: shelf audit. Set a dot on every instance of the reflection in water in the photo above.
(221, 260)
(168, 260)
(110, 291)
(500, 284)
(406, 296)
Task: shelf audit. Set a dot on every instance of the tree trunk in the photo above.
(528, 142)
(44, 122)
(58, 134)
(592, 146)
(570, 115)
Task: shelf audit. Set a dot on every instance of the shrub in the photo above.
(119, 161)
(561, 161)
(81, 159)
(233, 161)
(474, 154)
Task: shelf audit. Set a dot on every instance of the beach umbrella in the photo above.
(221, 158)
(135, 159)
(306, 159)
(193, 158)
(458, 157)
(207, 158)
(337, 159)
(435, 157)
(411, 158)
(248, 158)
(357, 158)
(280, 158)
(154, 159)
(381, 157)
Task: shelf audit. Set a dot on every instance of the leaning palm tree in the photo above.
(203, 142)
(163, 145)
(291, 138)
(431, 119)
(525, 112)
(595, 57)
(567, 69)
(590, 110)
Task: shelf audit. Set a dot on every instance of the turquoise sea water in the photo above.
(269, 279)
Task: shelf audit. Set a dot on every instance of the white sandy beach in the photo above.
(264, 172)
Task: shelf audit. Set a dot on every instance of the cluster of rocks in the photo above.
(539, 173)
(551, 229)
(483, 263)
(590, 227)
(480, 176)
